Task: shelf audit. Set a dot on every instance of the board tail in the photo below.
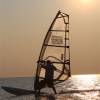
(17, 91)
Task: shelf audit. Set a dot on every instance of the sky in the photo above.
(23, 26)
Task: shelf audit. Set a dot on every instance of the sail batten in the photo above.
(60, 30)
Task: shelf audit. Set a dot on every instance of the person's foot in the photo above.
(55, 92)
(37, 92)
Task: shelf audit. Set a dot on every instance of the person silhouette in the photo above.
(49, 75)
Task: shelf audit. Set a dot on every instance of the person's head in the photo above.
(48, 62)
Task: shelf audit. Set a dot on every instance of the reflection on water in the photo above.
(78, 87)
(82, 87)
(85, 81)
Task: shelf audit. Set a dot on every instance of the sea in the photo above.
(77, 87)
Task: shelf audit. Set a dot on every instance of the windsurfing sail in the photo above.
(56, 49)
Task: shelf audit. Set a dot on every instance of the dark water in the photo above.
(78, 87)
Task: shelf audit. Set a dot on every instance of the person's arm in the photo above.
(42, 64)
(54, 67)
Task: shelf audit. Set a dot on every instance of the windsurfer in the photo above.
(49, 74)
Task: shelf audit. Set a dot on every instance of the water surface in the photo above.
(78, 87)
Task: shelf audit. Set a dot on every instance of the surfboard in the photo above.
(17, 91)
(20, 91)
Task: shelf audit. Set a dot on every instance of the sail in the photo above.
(56, 49)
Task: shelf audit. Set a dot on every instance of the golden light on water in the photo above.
(87, 81)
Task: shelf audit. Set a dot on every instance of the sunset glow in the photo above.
(86, 1)
(24, 24)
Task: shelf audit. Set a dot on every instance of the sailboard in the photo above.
(56, 48)
(20, 91)
(17, 91)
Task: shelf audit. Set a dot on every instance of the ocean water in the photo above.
(78, 87)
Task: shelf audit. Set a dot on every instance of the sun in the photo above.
(87, 5)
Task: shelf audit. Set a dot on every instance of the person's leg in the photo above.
(38, 92)
(37, 87)
(51, 85)
(54, 89)
(42, 84)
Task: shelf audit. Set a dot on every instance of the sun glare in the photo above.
(86, 80)
(87, 5)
